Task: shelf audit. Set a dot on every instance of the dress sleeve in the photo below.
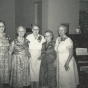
(11, 47)
(69, 44)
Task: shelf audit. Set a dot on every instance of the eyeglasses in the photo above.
(35, 29)
(21, 31)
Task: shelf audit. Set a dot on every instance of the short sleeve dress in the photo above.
(20, 75)
(35, 47)
(65, 79)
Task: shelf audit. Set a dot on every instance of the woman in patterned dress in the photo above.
(47, 69)
(67, 74)
(20, 71)
(4, 58)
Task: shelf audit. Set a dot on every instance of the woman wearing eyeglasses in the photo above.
(47, 69)
(35, 46)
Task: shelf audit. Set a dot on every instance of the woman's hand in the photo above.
(67, 66)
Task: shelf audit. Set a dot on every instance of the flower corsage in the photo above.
(39, 38)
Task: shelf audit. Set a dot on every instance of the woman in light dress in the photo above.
(35, 46)
(19, 60)
(67, 74)
(4, 56)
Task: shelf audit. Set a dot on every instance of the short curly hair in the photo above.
(49, 31)
(21, 27)
(35, 25)
(64, 26)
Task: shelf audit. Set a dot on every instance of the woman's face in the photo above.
(21, 32)
(2, 27)
(62, 31)
(35, 30)
(48, 36)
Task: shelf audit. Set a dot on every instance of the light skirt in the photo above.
(66, 79)
(35, 64)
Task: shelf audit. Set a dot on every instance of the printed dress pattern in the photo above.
(47, 69)
(4, 49)
(20, 75)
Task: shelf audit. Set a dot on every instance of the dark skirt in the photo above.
(47, 75)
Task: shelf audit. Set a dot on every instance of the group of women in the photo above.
(36, 60)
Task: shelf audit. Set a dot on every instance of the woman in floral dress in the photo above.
(67, 74)
(47, 77)
(20, 71)
(4, 58)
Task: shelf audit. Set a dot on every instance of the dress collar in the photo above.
(34, 37)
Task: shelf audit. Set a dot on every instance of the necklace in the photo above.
(21, 40)
(63, 38)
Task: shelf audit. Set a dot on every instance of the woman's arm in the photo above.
(10, 55)
(27, 49)
(70, 55)
(70, 49)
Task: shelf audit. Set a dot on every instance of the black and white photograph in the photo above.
(43, 43)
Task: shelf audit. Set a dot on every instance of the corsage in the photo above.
(39, 38)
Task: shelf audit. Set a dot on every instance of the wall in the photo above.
(44, 16)
(25, 12)
(84, 5)
(54, 12)
(61, 11)
(7, 14)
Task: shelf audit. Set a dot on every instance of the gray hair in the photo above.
(35, 25)
(21, 27)
(64, 26)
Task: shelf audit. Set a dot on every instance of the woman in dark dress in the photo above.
(47, 77)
